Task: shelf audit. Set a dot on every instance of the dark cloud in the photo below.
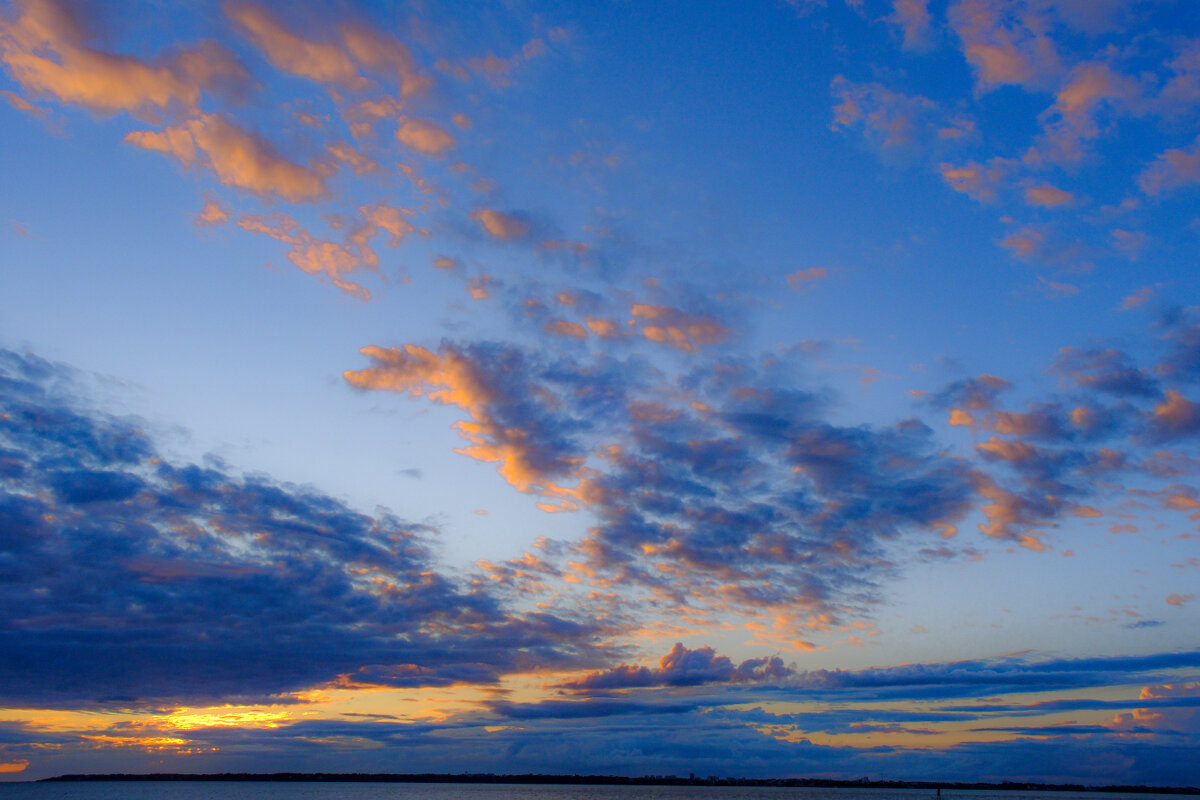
(977, 678)
(579, 709)
(971, 393)
(725, 488)
(1108, 370)
(1182, 360)
(128, 578)
(684, 667)
(724, 730)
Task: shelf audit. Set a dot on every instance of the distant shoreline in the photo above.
(616, 780)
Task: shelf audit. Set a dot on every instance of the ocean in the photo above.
(253, 790)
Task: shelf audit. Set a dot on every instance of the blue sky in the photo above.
(783, 388)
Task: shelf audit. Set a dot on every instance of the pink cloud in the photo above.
(48, 50)
(500, 224)
(1172, 169)
(238, 157)
(424, 137)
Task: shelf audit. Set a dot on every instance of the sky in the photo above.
(771, 388)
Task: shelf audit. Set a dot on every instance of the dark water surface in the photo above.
(254, 790)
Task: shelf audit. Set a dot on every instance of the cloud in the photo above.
(480, 286)
(48, 50)
(339, 60)
(1091, 89)
(501, 225)
(1047, 196)
(1005, 42)
(913, 19)
(508, 420)
(335, 260)
(683, 667)
(678, 328)
(22, 105)
(1182, 89)
(1107, 370)
(213, 213)
(361, 163)
(498, 70)
(974, 394)
(1182, 361)
(604, 328)
(1172, 169)
(1175, 416)
(206, 587)
(562, 327)
(1046, 244)
(238, 157)
(380, 53)
(980, 182)
(736, 496)
(804, 279)
(991, 676)
(426, 138)
(319, 61)
(894, 124)
(1137, 299)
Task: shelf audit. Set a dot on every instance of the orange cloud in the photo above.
(45, 47)
(480, 287)
(912, 17)
(1129, 243)
(238, 157)
(978, 181)
(1176, 414)
(499, 224)
(1091, 84)
(452, 378)
(604, 328)
(960, 418)
(318, 61)
(677, 328)
(212, 214)
(22, 105)
(339, 60)
(894, 123)
(424, 137)
(1007, 451)
(496, 69)
(1025, 242)
(803, 279)
(562, 327)
(13, 766)
(1047, 196)
(1172, 170)
(1071, 122)
(1056, 288)
(361, 163)
(378, 52)
(1008, 515)
(335, 259)
(1182, 501)
(559, 245)
(361, 116)
(1005, 42)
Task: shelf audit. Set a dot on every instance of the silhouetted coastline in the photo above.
(617, 780)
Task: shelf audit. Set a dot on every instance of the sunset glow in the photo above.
(768, 388)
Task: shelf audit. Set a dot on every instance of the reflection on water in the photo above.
(253, 790)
